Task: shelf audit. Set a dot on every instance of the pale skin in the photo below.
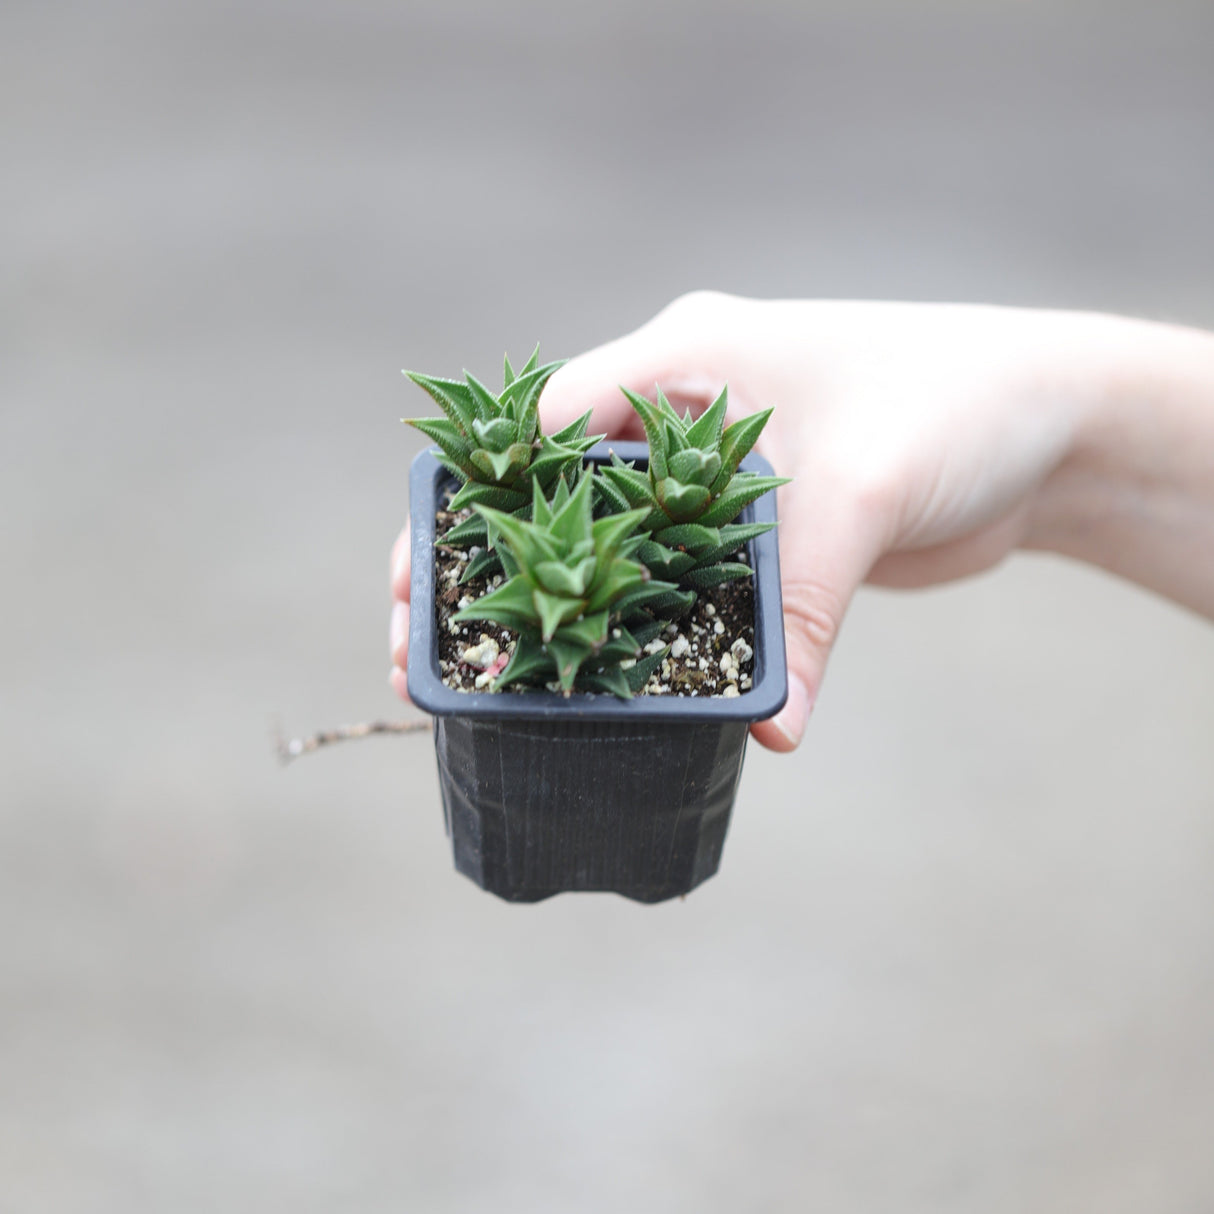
(926, 443)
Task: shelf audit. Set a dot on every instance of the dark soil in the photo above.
(711, 648)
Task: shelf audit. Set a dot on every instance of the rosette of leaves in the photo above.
(494, 445)
(692, 491)
(579, 602)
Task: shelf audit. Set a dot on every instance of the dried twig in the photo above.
(292, 749)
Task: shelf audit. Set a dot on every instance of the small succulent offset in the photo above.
(580, 603)
(692, 491)
(494, 445)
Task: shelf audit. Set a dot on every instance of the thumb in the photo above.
(659, 352)
(826, 550)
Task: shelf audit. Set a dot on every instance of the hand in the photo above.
(925, 441)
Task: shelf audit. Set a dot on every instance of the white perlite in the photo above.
(482, 655)
(680, 647)
(741, 651)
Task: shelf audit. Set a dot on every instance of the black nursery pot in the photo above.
(545, 794)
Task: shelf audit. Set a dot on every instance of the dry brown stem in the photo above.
(293, 748)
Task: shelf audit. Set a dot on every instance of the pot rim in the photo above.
(769, 688)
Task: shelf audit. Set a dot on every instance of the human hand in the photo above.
(925, 441)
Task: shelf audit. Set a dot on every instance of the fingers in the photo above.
(674, 349)
(398, 624)
(828, 543)
(400, 568)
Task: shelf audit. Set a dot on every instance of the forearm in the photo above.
(1136, 493)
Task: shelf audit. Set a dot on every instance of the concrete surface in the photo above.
(960, 956)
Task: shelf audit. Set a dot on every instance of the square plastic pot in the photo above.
(546, 794)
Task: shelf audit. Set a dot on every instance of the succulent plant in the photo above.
(692, 491)
(494, 445)
(579, 602)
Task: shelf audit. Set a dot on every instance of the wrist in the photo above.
(1134, 493)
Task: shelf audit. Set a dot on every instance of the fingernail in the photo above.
(398, 632)
(794, 716)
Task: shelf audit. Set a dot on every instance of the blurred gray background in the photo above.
(960, 955)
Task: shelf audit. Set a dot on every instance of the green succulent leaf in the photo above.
(632, 485)
(706, 432)
(638, 675)
(664, 562)
(714, 575)
(484, 564)
(560, 579)
(736, 444)
(472, 530)
(694, 467)
(733, 536)
(610, 680)
(487, 405)
(682, 503)
(529, 663)
(694, 537)
(743, 489)
(655, 432)
(456, 448)
(511, 605)
(451, 396)
(495, 435)
(474, 493)
(575, 430)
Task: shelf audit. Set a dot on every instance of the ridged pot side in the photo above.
(545, 794)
